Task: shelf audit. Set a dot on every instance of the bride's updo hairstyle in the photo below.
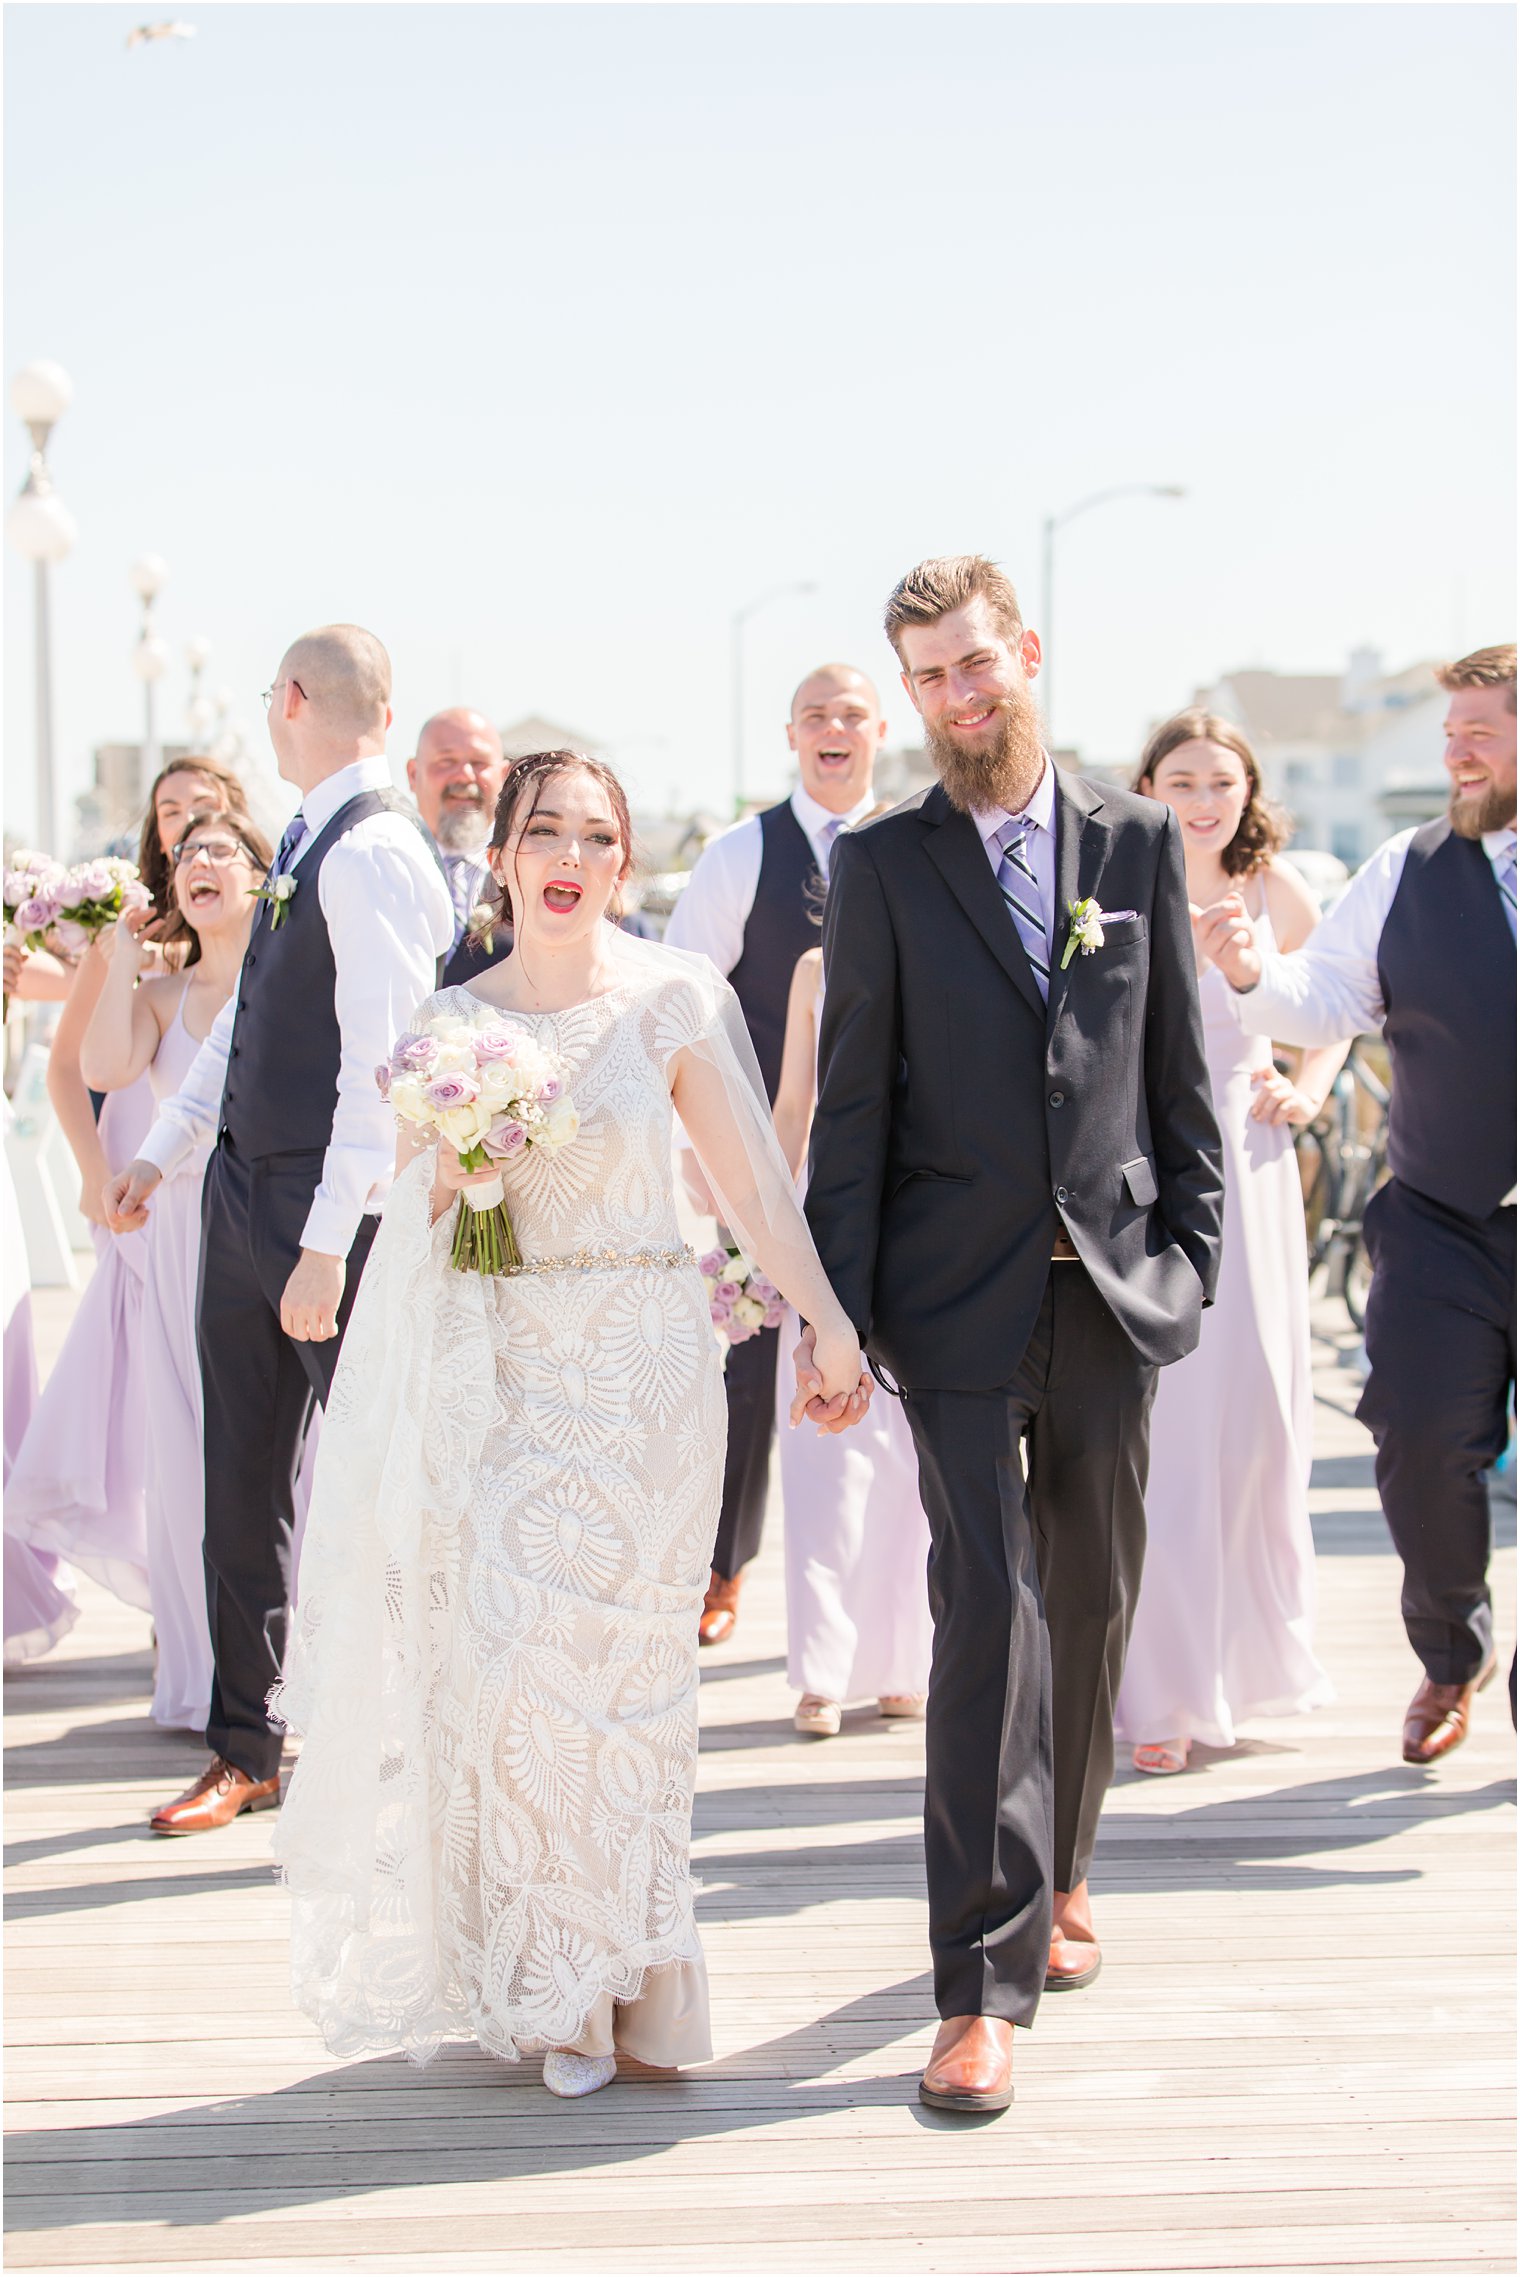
(523, 793)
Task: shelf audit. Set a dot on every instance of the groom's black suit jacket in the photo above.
(961, 1123)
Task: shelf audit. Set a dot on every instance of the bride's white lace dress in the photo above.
(495, 1664)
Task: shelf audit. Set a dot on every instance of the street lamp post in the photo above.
(41, 527)
(1054, 522)
(737, 624)
(197, 709)
(150, 658)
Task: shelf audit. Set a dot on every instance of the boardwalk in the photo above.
(1299, 2056)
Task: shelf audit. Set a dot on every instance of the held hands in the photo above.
(1226, 937)
(1279, 1100)
(833, 1387)
(309, 1307)
(125, 1197)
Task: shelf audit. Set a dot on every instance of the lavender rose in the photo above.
(446, 1091)
(504, 1139)
(714, 1264)
(383, 1079)
(416, 1052)
(493, 1044)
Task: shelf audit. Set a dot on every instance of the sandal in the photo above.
(1162, 1757)
(817, 1717)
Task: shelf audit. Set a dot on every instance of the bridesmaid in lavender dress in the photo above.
(154, 1028)
(858, 1624)
(1224, 1625)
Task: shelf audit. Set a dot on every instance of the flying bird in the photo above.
(143, 33)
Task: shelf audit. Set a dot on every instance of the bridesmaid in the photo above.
(857, 1540)
(1224, 1625)
(155, 1027)
(39, 1602)
(76, 1486)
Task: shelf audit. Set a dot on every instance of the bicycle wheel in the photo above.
(1314, 1174)
(1358, 1263)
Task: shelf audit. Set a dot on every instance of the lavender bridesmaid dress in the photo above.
(75, 1489)
(39, 1602)
(1225, 1620)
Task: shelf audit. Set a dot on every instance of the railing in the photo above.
(1342, 1160)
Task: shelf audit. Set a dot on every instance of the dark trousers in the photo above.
(750, 1382)
(259, 1388)
(1441, 1342)
(1032, 1584)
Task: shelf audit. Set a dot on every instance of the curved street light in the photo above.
(40, 527)
(1054, 522)
(737, 624)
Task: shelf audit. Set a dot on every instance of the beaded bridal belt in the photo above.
(603, 1260)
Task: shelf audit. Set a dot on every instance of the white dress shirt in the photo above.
(715, 904)
(389, 918)
(1329, 989)
(1039, 845)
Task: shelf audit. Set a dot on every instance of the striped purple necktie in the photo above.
(1016, 881)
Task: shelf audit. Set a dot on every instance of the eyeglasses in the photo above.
(221, 851)
(269, 694)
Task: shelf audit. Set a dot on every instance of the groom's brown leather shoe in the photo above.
(720, 1613)
(216, 1799)
(1439, 1714)
(1075, 1955)
(971, 2068)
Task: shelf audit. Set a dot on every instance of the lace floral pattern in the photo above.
(495, 1660)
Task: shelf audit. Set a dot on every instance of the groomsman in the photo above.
(753, 905)
(1016, 1195)
(456, 779)
(1422, 944)
(346, 943)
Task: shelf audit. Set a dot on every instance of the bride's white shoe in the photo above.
(568, 2074)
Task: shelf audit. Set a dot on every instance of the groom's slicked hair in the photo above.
(345, 673)
(948, 581)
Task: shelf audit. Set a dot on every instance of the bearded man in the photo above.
(1422, 945)
(1016, 1192)
(456, 778)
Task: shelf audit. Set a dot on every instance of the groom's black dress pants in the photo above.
(750, 1385)
(1441, 1343)
(1032, 1587)
(259, 1387)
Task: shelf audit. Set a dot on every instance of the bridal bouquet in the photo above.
(739, 1297)
(488, 1092)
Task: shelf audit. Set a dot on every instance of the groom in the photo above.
(1015, 1191)
(345, 945)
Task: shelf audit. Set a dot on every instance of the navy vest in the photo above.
(1446, 966)
(785, 921)
(469, 958)
(282, 1071)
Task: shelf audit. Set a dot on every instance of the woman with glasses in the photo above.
(155, 1026)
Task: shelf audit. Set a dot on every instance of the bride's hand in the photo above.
(833, 1385)
(450, 1178)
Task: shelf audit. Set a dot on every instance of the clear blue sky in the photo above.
(538, 338)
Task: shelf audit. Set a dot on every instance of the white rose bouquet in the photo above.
(739, 1297)
(489, 1092)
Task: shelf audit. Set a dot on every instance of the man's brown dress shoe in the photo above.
(219, 1794)
(1075, 1957)
(1438, 1716)
(720, 1613)
(971, 2068)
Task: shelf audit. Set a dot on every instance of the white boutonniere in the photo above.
(1086, 930)
(278, 892)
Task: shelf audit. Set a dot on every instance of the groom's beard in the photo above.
(1493, 809)
(1002, 768)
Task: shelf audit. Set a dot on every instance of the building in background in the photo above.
(110, 813)
(1353, 756)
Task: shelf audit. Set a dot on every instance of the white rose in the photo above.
(406, 1097)
(465, 1127)
(749, 1312)
(559, 1126)
(498, 1083)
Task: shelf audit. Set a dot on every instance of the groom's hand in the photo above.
(309, 1307)
(831, 1415)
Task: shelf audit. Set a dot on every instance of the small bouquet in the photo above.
(739, 1297)
(95, 894)
(489, 1092)
(34, 898)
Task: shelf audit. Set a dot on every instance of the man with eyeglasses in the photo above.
(354, 919)
(456, 779)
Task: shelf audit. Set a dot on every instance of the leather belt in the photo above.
(1063, 1250)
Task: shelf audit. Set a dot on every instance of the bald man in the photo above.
(456, 779)
(345, 945)
(754, 905)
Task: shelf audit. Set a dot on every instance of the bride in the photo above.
(495, 1660)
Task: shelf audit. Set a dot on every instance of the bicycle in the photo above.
(1342, 1157)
